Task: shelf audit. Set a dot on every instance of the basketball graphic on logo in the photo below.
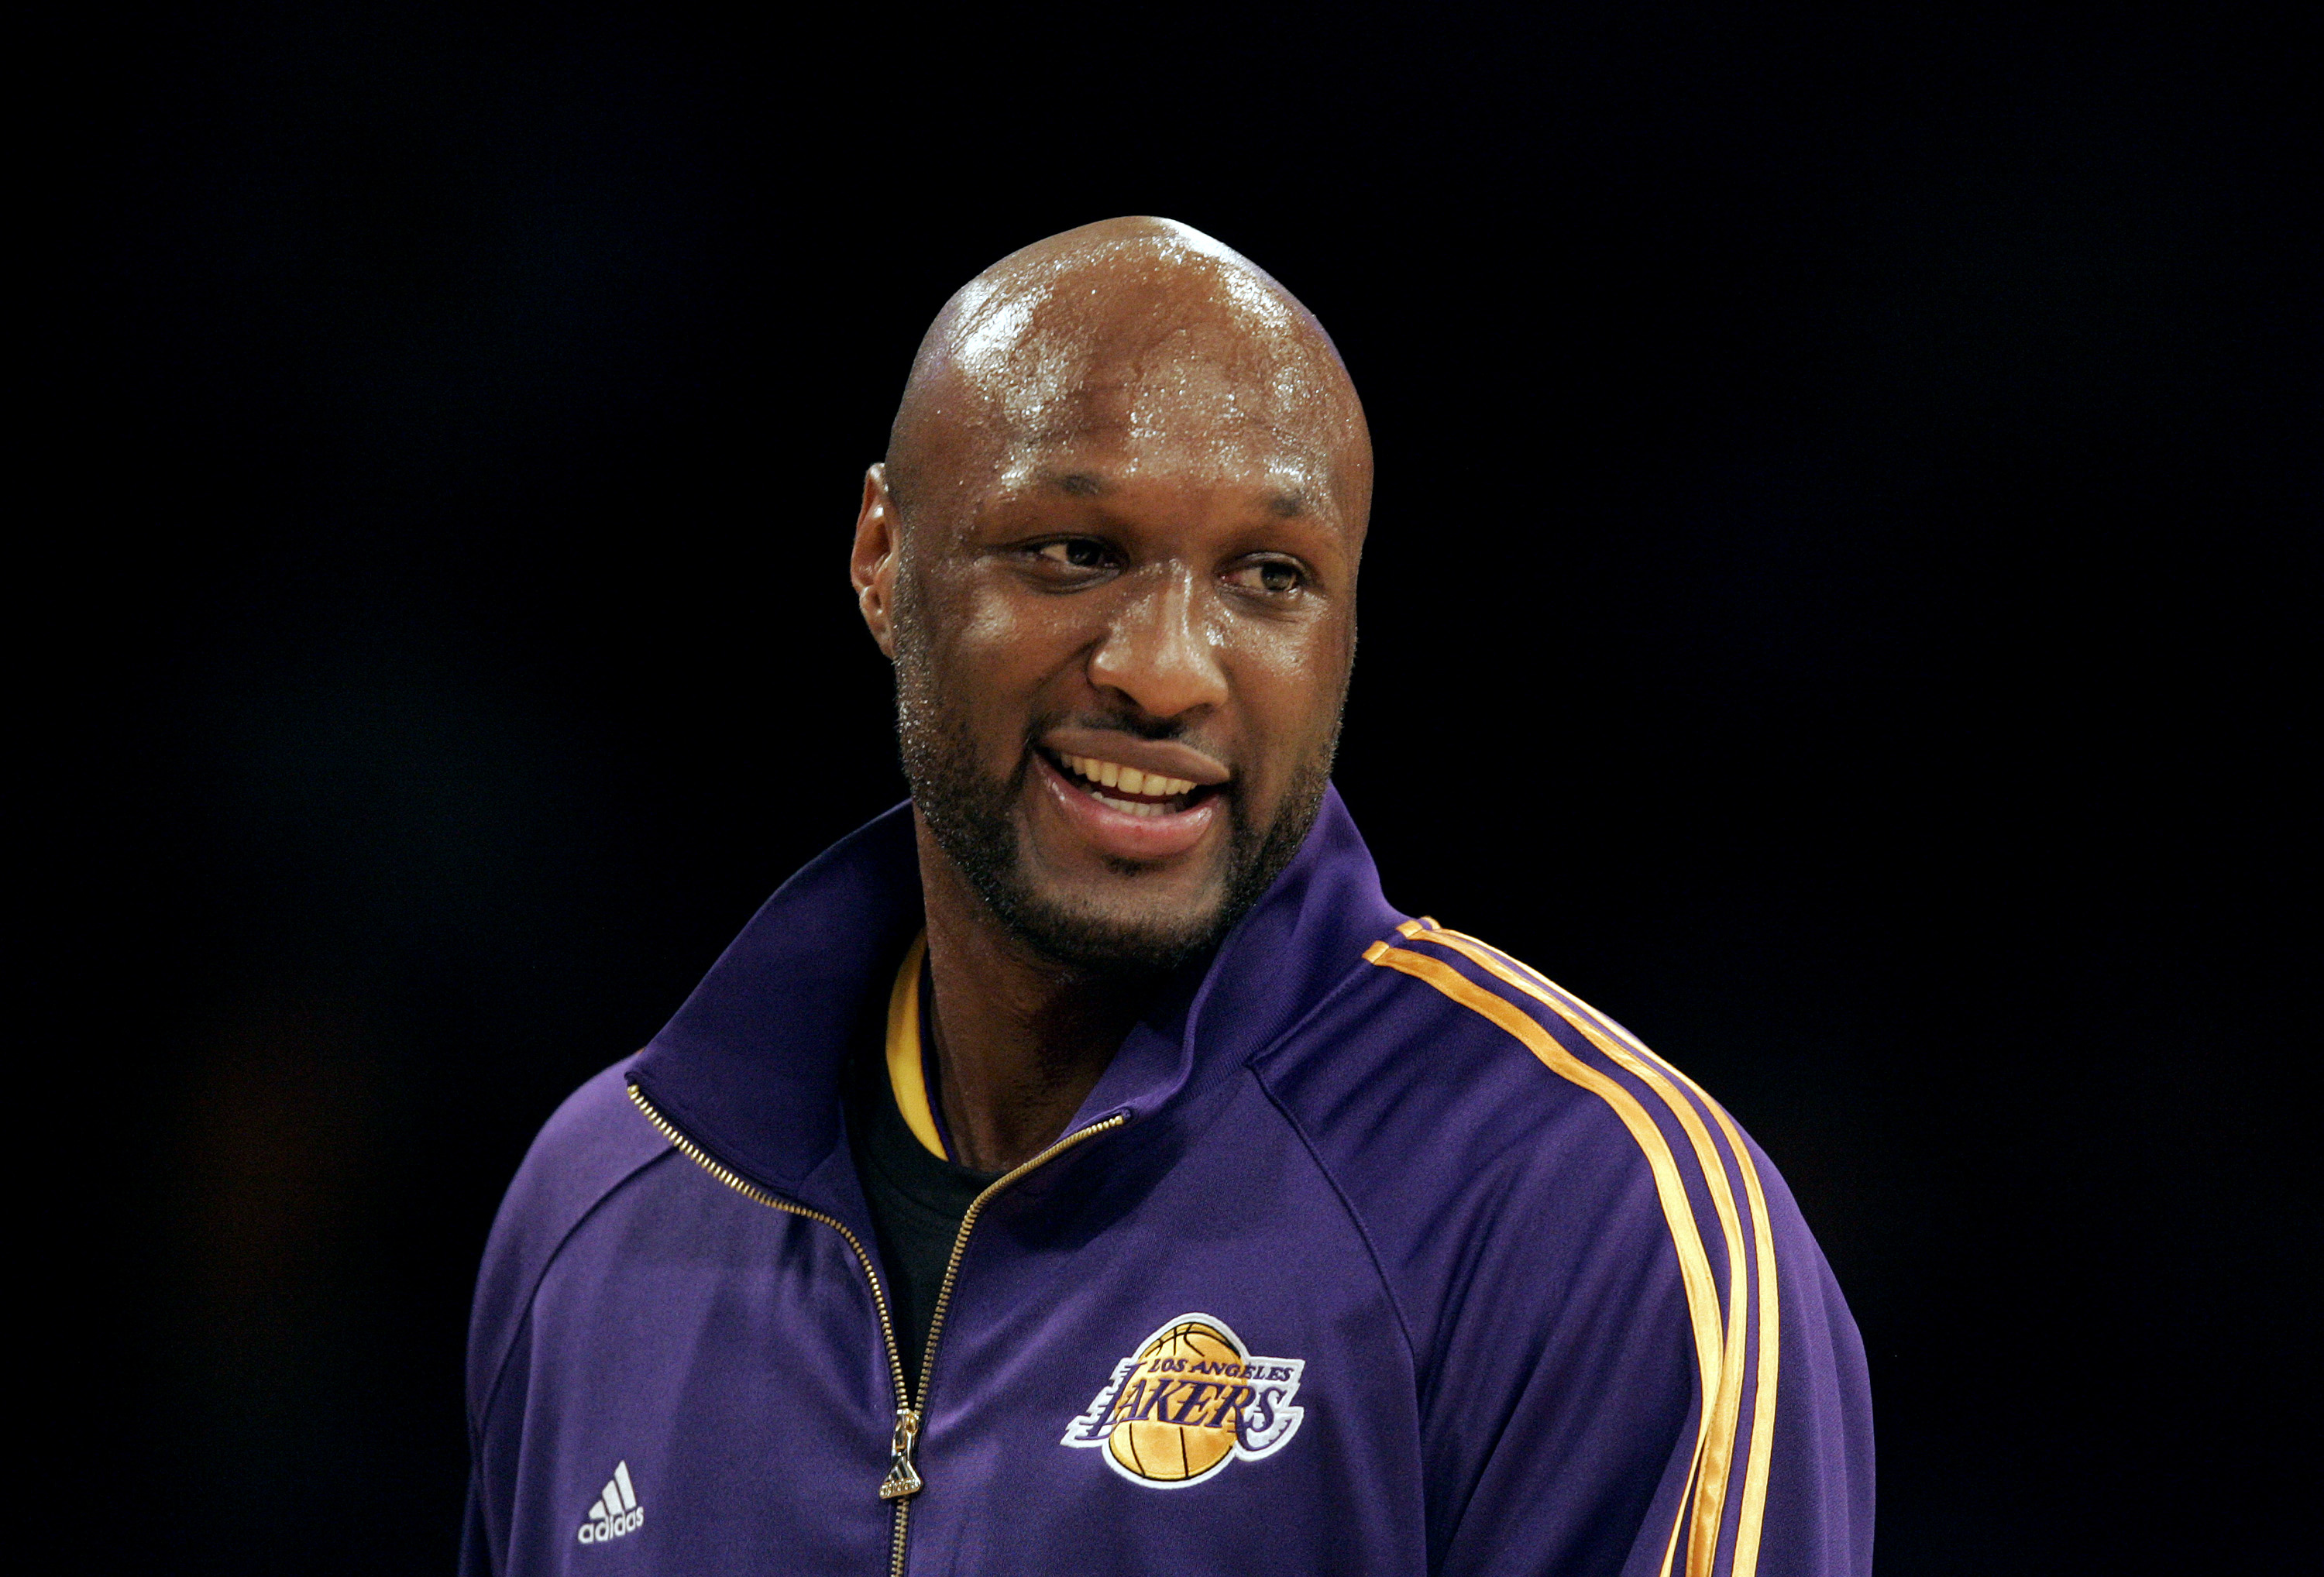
(1186, 1401)
(1180, 1407)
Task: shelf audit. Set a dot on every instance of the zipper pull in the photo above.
(903, 1479)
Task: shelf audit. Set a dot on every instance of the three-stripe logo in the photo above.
(616, 1510)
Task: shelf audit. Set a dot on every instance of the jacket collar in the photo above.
(751, 1067)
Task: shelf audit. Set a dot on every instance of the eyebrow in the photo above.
(1285, 505)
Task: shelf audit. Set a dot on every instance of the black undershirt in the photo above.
(917, 1199)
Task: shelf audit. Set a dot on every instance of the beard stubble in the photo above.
(971, 814)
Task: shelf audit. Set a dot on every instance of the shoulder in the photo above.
(1440, 1046)
(1488, 1129)
(1588, 1249)
(592, 1144)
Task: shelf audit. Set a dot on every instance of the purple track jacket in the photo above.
(1373, 1252)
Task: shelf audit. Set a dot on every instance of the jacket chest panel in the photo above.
(715, 1351)
(1204, 1374)
(1192, 1364)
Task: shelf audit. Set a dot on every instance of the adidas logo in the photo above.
(616, 1511)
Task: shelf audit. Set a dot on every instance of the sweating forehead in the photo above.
(1139, 341)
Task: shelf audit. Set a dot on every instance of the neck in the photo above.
(1021, 1040)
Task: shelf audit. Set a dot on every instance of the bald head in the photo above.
(1132, 335)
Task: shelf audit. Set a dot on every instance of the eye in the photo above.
(1075, 553)
(1278, 575)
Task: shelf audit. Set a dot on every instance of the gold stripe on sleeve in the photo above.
(1726, 1411)
(1750, 1518)
(906, 1074)
(1670, 1188)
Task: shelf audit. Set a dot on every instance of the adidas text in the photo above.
(616, 1510)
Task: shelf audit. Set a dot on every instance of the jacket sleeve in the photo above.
(594, 1144)
(1654, 1434)
(476, 1548)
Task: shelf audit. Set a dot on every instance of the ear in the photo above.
(879, 540)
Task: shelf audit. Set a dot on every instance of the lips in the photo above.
(1126, 812)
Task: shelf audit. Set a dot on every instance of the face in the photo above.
(1120, 661)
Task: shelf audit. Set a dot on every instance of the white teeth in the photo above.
(1129, 780)
(1134, 806)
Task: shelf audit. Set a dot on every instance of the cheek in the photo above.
(998, 654)
(993, 629)
(1289, 691)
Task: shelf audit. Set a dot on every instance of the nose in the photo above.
(1157, 654)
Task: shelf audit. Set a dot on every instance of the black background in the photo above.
(1844, 476)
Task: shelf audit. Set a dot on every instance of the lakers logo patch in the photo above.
(1189, 1401)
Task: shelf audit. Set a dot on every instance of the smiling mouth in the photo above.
(1126, 789)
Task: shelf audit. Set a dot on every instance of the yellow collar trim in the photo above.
(906, 1075)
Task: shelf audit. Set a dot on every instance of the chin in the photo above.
(1113, 939)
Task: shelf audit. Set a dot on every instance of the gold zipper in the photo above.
(903, 1481)
(968, 1220)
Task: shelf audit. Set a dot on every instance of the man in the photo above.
(1083, 1168)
